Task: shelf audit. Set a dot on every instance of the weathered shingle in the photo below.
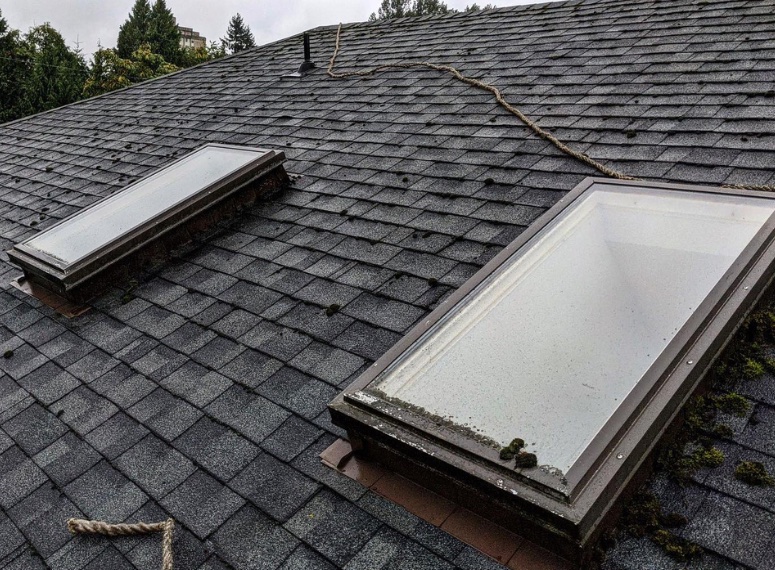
(200, 391)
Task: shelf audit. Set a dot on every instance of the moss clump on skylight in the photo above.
(754, 473)
(512, 449)
(525, 460)
(522, 459)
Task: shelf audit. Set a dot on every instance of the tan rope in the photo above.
(80, 526)
(613, 173)
(486, 87)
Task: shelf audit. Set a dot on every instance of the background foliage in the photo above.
(38, 71)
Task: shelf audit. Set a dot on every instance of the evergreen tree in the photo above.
(426, 7)
(404, 8)
(13, 71)
(55, 75)
(109, 71)
(391, 9)
(163, 33)
(475, 7)
(238, 35)
(136, 30)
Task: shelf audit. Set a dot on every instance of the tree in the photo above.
(135, 31)
(404, 8)
(14, 62)
(163, 33)
(426, 7)
(195, 56)
(238, 36)
(407, 8)
(109, 71)
(55, 75)
(152, 25)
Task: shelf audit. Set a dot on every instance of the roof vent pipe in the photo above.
(307, 65)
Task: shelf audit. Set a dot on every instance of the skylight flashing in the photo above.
(579, 490)
(159, 210)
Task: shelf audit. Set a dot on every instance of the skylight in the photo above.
(577, 339)
(89, 241)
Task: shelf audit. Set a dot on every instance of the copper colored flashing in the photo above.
(489, 538)
(504, 546)
(533, 557)
(49, 298)
(425, 504)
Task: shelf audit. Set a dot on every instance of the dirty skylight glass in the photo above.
(549, 345)
(95, 227)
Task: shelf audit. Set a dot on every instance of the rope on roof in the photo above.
(80, 526)
(611, 172)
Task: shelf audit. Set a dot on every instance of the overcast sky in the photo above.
(93, 21)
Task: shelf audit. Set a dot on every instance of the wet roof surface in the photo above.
(202, 394)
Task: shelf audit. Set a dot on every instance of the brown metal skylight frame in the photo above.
(535, 503)
(64, 278)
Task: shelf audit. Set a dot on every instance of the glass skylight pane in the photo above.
(548, 346)
(95, 227)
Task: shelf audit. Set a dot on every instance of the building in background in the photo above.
(191, 39)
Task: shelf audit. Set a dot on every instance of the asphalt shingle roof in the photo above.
(202, 393)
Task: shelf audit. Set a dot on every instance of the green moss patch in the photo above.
(525, 460)
(732, 403)
(512, 449)
(753, 369)
(643, 516)
(753, 473)
(677, 547)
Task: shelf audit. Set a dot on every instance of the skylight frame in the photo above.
(589, 487)
(63, 277)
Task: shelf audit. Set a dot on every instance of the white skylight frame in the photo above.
(572, 502)
(218, 170)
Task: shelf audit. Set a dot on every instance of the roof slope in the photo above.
(203, 393)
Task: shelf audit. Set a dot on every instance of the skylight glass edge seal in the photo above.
(454, 439)
(563, 516)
